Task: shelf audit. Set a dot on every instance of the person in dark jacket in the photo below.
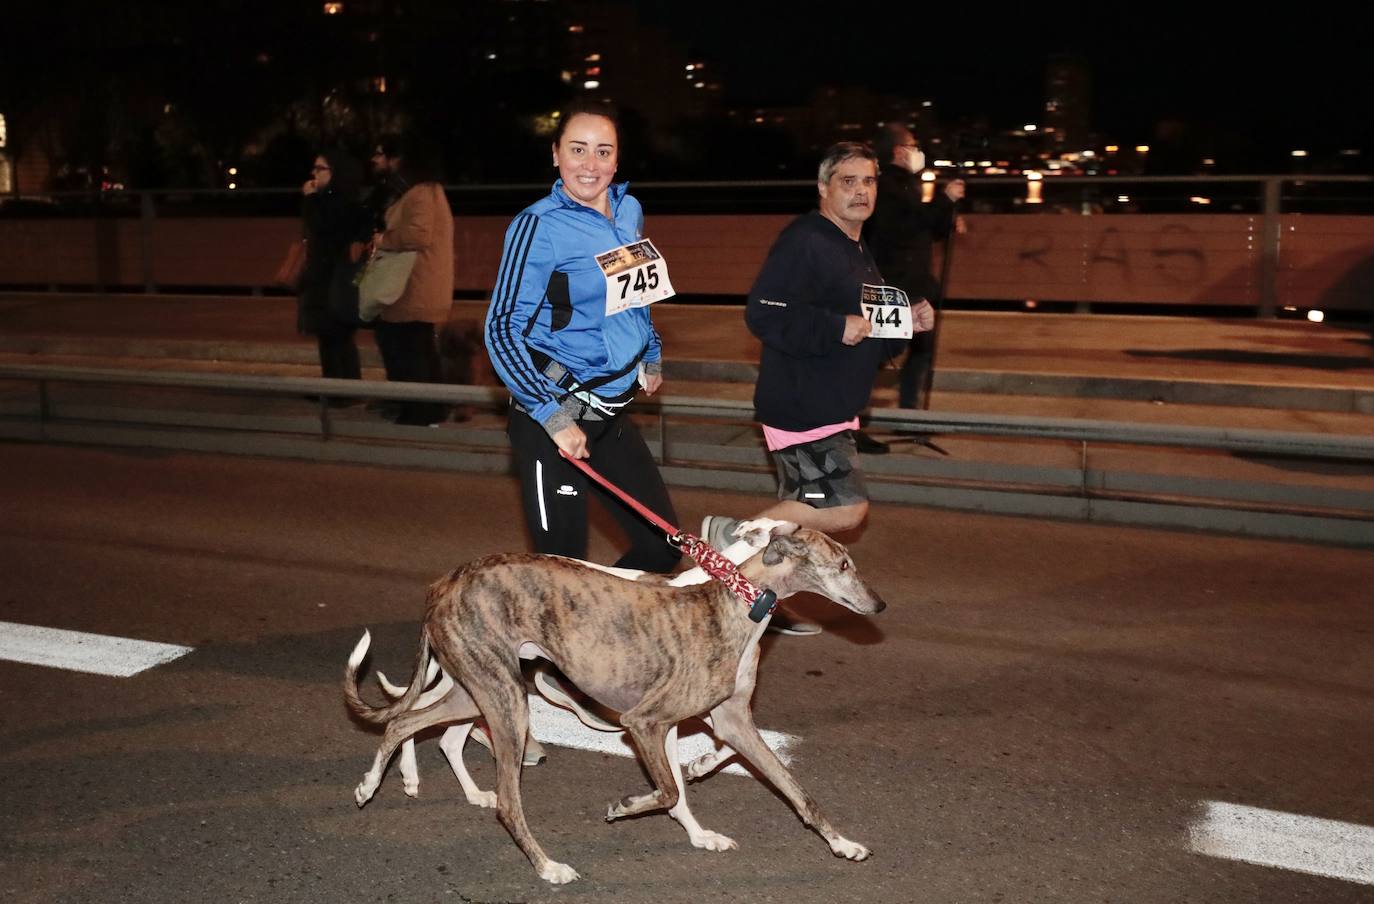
(901, 234)
(336, 226)
(818, 362)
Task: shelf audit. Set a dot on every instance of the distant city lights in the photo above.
(1299, 153)
(333, 9)
(1142, 149)
(1316, 316)
(1112, 148)
(1197, 199)
(1030, 127)
(591, 84)
(1123, 199)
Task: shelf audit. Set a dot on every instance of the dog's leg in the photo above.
(452, 745)
(499, 690)
(702, 838)
(410, 770)
(735, 725)
(651, 738)
(455, 706)
(677, 808)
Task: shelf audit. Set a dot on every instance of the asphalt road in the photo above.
(1042, 713)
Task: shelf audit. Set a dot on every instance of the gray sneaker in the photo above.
(719, 530)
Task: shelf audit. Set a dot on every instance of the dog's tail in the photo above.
(380, 715)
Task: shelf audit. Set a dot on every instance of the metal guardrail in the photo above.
(712, 443)
(1258, 442)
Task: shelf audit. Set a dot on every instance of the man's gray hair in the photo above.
(839, 153)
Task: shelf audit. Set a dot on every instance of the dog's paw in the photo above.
(705, 764)
(484, 799)
(713, 841)
(850, 850)
(558, 873)
(412, 789)
(363, 793)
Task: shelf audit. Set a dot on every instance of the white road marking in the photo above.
(1305, 844)
(552, 725)
(97, 654)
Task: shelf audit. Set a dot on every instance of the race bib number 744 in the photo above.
(636, 276)
(889, 311)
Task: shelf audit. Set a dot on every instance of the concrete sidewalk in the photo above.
(1054, 364)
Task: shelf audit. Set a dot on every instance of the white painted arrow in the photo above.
(1304, 844)
(98, 654)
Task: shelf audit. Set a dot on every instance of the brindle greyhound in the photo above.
(753, 536)
(655, 653)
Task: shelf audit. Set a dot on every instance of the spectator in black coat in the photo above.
(337, 226)
(901, 234)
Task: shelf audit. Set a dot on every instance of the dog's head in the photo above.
(803, 560)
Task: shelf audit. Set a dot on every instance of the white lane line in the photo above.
(97, 654)
(1304, 844)
(552, 725)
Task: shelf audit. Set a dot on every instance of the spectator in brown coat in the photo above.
(420, 220)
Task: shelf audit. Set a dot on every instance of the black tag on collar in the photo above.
(763, 605)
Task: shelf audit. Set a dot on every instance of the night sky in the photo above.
(1272, 78)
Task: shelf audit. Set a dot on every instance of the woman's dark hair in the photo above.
(606, 110)
(420, 159)
(345, 172)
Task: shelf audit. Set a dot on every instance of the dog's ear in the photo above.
(779, 547)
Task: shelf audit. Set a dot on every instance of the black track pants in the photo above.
(554, 492)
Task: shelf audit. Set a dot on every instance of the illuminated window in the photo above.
(333, 9)
(379, 84)
(4, 131)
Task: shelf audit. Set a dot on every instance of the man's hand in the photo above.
(856, 329)
(922, 317)
(572, 441)
(651, 382)
(954, 190)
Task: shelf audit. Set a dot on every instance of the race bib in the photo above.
(636, 276)
(888, 310)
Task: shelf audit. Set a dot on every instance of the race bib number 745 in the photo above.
(889, 311)
(636, 276)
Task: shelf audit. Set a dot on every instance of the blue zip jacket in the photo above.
(551, 295)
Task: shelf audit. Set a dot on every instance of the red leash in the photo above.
(760, 602)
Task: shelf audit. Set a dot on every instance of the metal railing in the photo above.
(1260, 442)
